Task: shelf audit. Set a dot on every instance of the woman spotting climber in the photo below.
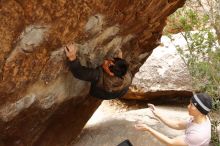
(109, 81)
(197, 128)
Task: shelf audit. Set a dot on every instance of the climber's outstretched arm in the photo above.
(82, 72)
(79, 71)
(160, 136)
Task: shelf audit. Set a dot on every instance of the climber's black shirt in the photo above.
(103, 86)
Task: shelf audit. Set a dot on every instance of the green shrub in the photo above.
(202, 55)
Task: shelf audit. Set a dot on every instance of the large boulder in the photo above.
(41, 103)
(164, 73)
(111, 125)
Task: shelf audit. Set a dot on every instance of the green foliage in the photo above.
(202, 55)
(215, 139)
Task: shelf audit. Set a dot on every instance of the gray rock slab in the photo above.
(109, 126)
(164, 69)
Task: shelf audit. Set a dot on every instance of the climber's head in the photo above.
(116, 67)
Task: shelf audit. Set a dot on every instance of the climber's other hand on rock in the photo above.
(71, 50)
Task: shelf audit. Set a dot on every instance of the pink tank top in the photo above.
(198, 134)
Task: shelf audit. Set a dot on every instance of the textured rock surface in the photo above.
(41, 103)
(164, 74)
(109, 126)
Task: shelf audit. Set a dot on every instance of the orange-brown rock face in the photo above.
(41, 104)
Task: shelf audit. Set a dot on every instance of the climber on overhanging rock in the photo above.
(109, 81)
